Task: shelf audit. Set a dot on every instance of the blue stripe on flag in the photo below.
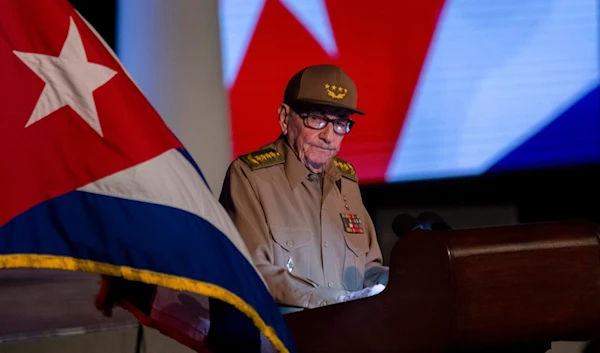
(143, 236)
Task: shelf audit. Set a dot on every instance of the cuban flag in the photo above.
(452, 89)
(93, 180)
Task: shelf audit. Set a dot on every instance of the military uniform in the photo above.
(309, 235)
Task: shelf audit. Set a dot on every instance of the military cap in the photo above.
(322, 85)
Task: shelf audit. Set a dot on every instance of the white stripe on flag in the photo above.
(170, 180)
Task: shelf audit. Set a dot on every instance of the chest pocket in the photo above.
(357, 246)
(293, 250)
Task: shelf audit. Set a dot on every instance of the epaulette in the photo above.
(262, 158)
(346, 169)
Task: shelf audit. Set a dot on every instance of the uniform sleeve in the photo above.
(375, 272)
(239, 198)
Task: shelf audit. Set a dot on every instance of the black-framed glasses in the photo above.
(315, 121)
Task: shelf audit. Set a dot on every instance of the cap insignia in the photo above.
(336, 92)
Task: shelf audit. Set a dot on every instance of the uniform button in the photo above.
(326, 244)
(322, 304)
(290, 243)
(330, 284)
(312, 177)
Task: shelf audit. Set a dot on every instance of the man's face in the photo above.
(314, 147)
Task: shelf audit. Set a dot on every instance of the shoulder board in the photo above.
(262, 158)
(346, 169)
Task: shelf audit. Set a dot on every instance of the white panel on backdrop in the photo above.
(498, 73)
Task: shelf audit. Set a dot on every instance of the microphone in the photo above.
(432, 221)
(404, 223)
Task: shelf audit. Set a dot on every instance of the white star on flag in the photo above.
(238, 20)
(70, 80)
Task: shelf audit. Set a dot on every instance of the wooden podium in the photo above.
(501, 289)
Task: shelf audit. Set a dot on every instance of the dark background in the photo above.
(541, 195)
(101, 14)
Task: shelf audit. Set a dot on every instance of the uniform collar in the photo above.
(296, 171)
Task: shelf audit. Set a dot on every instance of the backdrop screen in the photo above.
(450, 88)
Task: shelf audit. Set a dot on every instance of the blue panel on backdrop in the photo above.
(572, 138)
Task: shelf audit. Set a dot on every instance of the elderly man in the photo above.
(298, 207)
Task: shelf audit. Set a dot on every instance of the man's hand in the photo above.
(363, 293)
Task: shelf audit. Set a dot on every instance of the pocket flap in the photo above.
(357, 243)
(291, 238)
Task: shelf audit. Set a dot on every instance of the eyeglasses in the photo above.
(341, 126)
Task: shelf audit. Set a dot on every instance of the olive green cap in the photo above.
(323, 85)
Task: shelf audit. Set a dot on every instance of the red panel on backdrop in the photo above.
(382, 46)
